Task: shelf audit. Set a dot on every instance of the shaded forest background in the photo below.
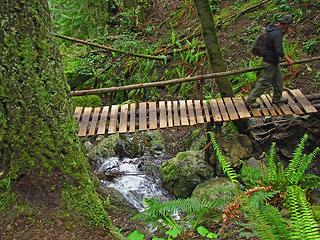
(171, 28)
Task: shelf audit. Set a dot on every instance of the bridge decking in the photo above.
(163, 114)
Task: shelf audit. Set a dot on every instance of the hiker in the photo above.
(272, 52)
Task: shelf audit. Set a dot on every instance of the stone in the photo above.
(184, 172)
(236, 148)
(219, 188)
(88, 146)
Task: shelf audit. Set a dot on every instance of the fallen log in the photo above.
(79, 41)
(179, 80)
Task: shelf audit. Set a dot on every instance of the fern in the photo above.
(305, 162)
(268, 223)
(225, 165)
(157, 210)
(296, 159)
(303, 224)
(272, 168)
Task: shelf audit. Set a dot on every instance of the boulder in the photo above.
(184, 172)
(236, 148)
(219, 188)
(117, 145)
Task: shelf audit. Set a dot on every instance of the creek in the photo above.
(135, 178)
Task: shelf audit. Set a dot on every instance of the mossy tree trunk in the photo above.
(209, 34)
(41, 159)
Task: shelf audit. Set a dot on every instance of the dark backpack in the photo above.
(259, 47)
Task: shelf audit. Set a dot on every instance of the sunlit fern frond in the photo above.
(222, 159)
(296, 159)
(303, 224)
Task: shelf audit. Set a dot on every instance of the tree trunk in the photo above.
(209, 34)
(41, 159)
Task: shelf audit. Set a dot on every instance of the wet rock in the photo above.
(117, 202)
(236, 148)
(117, 145)
(314, 196)
(217, 188)
(198, 140)
(88, 145)
(184, 172)
(155, 141)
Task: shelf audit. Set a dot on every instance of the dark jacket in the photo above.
(274, 44)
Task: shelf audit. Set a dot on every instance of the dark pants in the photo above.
(271, 78)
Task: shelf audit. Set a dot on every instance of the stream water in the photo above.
(135, 178)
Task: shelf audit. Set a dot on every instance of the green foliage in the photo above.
(7, 199)
(311, 45)
(224, 163)
(87, 101)
(268, 223)
(272, 168)
(204, 232)
(252, 177)
(191, 207)
(135, 235)
(303, 224)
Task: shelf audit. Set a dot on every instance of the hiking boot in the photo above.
(252, 104)
(282, 100)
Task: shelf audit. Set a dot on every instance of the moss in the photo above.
(87, 101)
(86, 201)
(7, 199)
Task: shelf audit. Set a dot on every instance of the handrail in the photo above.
(180, 80)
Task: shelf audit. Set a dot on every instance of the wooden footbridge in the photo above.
(165, 114)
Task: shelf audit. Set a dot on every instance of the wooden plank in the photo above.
(93, 125)
(77, 113)
(241, 108)
(176, 118)
(271, 109)
(132, 126)
(169, 108)
(215, 111)
(113, 119)
(183, 113)
(143, 116)
(206, 111)
(84, 122)
(123, 118)
(256, 112)
(153, 124)
(305, 103)
(163, 114)
(284, 107)
(233, 115)
(263, 108)
(278, 110)
(103, 120)
(223, 110)
(198, 108)
(192, 117)
(295, 108)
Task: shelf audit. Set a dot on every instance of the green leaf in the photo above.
(156, 238)
(202, 231)
(212, 235)
(174, 232)
(135, 235)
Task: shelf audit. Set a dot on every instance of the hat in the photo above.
(286, 19)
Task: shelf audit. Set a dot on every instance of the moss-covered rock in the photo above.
(217, 188)
(236, 148)
(155, 141)
(184, 172)
(198, 140)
